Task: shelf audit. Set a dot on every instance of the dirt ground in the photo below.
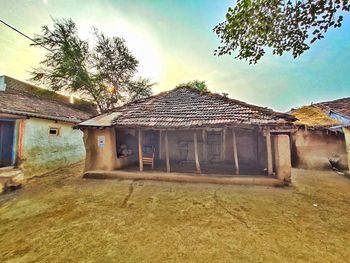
(63, 218)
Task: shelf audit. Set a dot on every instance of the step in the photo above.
(11, 172)
(10, 178)
(8, 184)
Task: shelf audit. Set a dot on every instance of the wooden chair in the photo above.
(148, 155)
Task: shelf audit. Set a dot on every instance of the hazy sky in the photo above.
(174, 42)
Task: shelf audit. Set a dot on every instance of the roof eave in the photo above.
(41, 116)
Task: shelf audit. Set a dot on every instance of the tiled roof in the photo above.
(341, 106)
(24, 99)
(188, 108)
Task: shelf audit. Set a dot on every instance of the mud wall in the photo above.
(313, 149)
(102, 155)
(100, 149)
(282, 157)
(43, 152)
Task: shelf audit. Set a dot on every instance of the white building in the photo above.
(36, 128)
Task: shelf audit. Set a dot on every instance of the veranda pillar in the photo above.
(198, 167)
(269, 152)
(140, 151)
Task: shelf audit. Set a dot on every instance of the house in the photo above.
(36, 128)
(323, 136)
(188, 131)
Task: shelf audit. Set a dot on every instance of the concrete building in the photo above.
(323, 135)
(188, 131)
(36, 128)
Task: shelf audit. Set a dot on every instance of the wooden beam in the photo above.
(224, 144)
(198, 167)
(167, 152)
(235, 152)
(204, 138)
(140, 151)
(160, 144)
(283, 131)
(269, 152)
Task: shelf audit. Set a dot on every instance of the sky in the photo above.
(174, 42)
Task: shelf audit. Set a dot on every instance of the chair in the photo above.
(148, 155)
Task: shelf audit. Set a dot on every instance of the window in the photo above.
(54, 131)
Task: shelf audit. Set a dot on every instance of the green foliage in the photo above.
(139, 89)
(283, 26)
(196, 84)
(104, 74)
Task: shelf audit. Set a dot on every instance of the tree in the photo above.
(104, 74)
(196, 84)
(283, 26)
(139, 89)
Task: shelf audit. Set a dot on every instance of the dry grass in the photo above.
(311, 115)
(62, 218)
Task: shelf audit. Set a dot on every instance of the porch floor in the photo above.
(207, 168)
(184, 178)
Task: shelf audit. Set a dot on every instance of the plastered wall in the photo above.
(313, 149)
(282, 157)
(43, 152)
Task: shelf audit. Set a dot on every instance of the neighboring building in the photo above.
(36, 128)
(185, 130)
(323, 135)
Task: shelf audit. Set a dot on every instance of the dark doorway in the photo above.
(214, 146)
(7, 136)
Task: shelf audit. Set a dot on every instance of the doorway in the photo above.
(7, 136)
(214, 146)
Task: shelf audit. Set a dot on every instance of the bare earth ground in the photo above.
(63, 218)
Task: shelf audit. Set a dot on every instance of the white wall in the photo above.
(43, 152)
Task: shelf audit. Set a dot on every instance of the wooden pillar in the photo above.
(269, 152)
(204, 138)
(160, 145)
(167, 152)
(140, 150)
(198, 167)
(235, 152)
(224, 144)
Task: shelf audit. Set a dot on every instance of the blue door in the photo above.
(7, 131)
